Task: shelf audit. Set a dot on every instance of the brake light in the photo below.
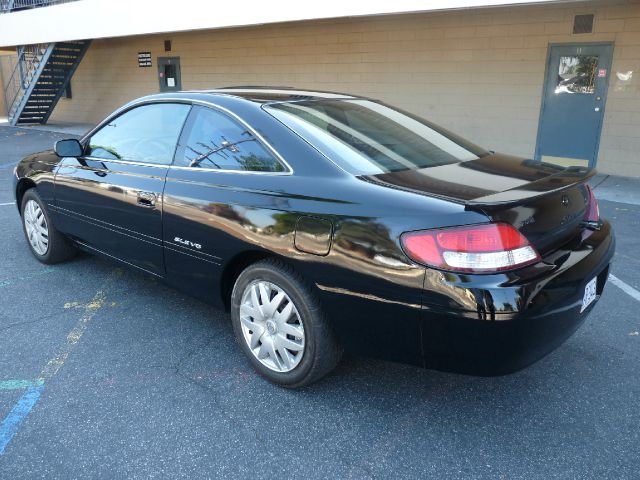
(484, 248)
(592, 213)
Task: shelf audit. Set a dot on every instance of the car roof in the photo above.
(259, 94)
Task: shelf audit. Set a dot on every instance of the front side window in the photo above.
(368, 138)
(148, 134)
(215, 141)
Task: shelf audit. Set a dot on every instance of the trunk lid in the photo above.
(545, 202)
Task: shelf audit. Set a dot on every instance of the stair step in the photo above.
(80, 44)
(53, 77)
(66, 51)
(59, 65)
(50, 82)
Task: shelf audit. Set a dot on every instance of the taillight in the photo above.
(592, 213)
(484, 248)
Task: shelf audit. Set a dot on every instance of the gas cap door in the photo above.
(313, 235)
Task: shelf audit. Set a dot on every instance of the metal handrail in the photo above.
(29, 58)
(7, 6)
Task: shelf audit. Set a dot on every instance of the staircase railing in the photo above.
(7, 6)
(27, 66)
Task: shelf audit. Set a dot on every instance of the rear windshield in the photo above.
(368, 138)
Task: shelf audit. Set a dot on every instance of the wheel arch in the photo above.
(22, 186)
(234, 267)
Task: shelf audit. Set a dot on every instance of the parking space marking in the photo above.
(53, 366)
(11, 423)
(625, 287)
(5, 204)
(11, 281)
(7, 166)
(18, 384)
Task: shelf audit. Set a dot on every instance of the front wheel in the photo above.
(46, 243)
(279, 324)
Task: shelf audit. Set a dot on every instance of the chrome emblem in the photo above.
(565, 200)
(187, 243)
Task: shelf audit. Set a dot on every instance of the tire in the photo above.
(51, 247)
(302, 326)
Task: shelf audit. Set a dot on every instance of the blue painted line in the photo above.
(11, 423)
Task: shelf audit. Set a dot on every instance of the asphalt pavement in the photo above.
(106, 373)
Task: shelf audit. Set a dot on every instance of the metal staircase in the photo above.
(40, 78)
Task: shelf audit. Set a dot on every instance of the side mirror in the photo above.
(68, 148)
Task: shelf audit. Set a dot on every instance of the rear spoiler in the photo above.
(545, 186)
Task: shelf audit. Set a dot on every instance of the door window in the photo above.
(577, 74)
(215, 141)
(148, 134)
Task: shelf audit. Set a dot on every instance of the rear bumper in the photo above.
(519, 317)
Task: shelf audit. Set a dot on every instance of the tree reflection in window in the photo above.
(215, 141)
(577, 74)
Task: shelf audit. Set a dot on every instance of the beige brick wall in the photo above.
(7, 62)
(477, 72)
(3, 110)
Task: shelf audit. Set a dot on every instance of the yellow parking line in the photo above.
(73, 337)
(53, 366)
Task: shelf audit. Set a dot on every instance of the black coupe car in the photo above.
(325, 221)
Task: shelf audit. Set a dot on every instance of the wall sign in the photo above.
(144, 59)
(602, 72)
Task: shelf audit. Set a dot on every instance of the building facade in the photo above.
(556, 81)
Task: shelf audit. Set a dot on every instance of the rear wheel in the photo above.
(46, 243)
(279, 324)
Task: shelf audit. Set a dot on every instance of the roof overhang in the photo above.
(93, 19)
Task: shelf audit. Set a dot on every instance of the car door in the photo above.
(110, 199)
(220, 192)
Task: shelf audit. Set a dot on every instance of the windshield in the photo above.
(367, 138)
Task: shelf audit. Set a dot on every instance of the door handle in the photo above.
(146, 199)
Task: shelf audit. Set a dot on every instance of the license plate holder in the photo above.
(589, 294)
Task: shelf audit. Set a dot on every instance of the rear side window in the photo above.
(148, 134)
(368, 138)
(213, 140)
